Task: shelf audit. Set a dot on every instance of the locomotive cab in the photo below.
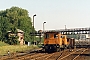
(54, 41)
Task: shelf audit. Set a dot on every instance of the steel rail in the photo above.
(79, 54)
(69, 54)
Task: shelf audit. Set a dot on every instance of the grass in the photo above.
(4, 48)
(3, 44)
(15, 48)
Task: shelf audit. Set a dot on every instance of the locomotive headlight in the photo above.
(57, 46)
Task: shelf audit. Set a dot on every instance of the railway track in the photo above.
(30, 56)
(11, 57)
(19, 55)
(58, 55)
(74, 54)
(27, 57)
(85, 55)
(52, 56)
(79, 54)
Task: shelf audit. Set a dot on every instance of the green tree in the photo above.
(3, 27)
(18, 18)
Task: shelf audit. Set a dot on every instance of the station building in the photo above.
(20, 35)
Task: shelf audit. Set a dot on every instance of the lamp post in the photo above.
(33, 27)
(43, 26)
(65, 27)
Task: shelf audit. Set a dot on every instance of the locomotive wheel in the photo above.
(62, 49)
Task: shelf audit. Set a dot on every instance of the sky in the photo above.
(56, 13)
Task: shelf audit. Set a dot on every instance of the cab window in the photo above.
(62, 36)
(46, 36)
(55, 35)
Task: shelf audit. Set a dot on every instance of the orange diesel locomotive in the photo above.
(54, 41)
